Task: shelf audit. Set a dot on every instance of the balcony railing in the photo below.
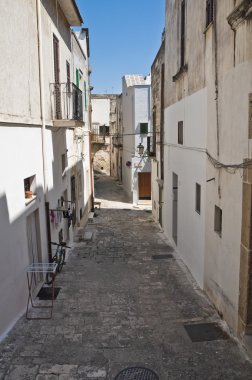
(67, 104)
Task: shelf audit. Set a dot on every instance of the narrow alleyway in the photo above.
(123, 302)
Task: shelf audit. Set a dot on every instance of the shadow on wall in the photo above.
(15, 256)
(23, 239)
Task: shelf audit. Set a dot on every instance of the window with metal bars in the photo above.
(209, 12)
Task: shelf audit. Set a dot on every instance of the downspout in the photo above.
(90, 122)
(43, 130)
(216, 79)
(217, 93)
(42, 96)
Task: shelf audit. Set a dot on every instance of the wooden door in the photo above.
(144, 185)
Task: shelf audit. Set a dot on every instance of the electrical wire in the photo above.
(219, 165)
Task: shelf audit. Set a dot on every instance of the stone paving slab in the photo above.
(117, 308)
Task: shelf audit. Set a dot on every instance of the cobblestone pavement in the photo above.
(121, 305)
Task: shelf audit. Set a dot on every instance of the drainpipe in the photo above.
(86, 31)
(43, 130)
(42, 95)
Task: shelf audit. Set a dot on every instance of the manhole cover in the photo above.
(136, 373)
(45, 294)
(203, 332)
(162, 257)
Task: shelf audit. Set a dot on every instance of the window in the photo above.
(63, 164)
(143, 128)
(30, 186)
(68, 76)
(148, 144)
(182, 34)
(198, 198)
(77, 78)
(85, 95)
(180, 132)
(209, 12)
(218, 220)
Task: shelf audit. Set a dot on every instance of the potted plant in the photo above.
(28, 194)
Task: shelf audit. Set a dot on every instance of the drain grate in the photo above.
(137, 373)
(162, 257)
(45, 294)
(204, 332)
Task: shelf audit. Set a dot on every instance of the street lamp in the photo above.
(140, 148)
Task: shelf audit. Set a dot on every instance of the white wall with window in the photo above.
(184, 202)
(136, 97)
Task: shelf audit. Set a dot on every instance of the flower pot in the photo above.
(28, 194)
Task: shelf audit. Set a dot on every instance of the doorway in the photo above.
(144, 185)
(34, 245)
(175, 208)
(160, 216)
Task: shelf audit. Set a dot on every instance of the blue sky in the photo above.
(125, 36)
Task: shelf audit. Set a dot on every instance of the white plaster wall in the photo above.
(128, 135)
(142, 112)
(19, 79)
(54, 22)
(21, 146)
(21, 161)
(100, 111)
(189, 163)
(222, 263)
(136, 110)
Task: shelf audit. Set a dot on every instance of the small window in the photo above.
(148, 144)
(68, 77)
(63, 164)
(180, 132)
(218, 220)
(30, 186)
(198, 198)
(209, 11)
(143, 128)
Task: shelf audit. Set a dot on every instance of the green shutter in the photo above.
(77, 78)
(143, 128)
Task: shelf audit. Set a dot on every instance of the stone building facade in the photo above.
(207, 148)
(157, 134)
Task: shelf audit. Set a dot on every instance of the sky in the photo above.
(125, 36)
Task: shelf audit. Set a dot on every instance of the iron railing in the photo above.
(67, 102)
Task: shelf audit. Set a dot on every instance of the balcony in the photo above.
(67, 105)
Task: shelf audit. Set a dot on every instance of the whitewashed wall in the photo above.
(100, 111)
(20, 161)
(188, 161)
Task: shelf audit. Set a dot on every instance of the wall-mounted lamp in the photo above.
(140, 148)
